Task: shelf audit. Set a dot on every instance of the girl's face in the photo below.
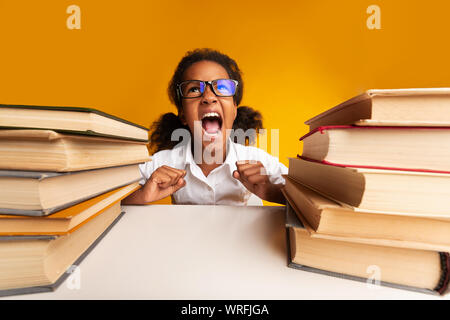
(215, 114)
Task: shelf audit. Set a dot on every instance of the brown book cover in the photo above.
(292, 222)
(58, 118)
(418, 192)
(64, 275)
(47, 150)
(326, 219)
(421, 149)
(65, 221)
(390, 107)
(33, 193)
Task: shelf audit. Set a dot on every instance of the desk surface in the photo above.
(204, 252)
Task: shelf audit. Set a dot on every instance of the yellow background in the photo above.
(299, 58)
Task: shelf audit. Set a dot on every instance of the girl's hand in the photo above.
(254, 177)
(162, 183)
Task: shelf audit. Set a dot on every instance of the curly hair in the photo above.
(246, 117)
(197, 55)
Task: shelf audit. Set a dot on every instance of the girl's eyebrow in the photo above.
(204, 80)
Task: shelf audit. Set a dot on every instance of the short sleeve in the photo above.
(163, 157)
(146, 170)
(275, 170)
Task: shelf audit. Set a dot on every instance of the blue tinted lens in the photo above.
(225, 87)
(192, 89)
(202, 87)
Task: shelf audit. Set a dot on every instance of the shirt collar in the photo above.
(230, 159)
(188, 158)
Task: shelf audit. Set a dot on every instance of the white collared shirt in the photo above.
(219, 187)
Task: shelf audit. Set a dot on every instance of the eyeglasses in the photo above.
(195, 88)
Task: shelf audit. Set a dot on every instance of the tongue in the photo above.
(211, 126)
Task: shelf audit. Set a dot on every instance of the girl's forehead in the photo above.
(205, 70)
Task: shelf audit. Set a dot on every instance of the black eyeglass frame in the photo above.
(210, 83)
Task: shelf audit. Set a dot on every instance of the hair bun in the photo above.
(248, 118)
(161, 137)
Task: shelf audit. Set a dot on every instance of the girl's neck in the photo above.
(207, 165)
(207, 168)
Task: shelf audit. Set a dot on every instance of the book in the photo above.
(46, 150)
(85, 121)
(409, 269)
(326, 219)
(31, 265)
(42, 193)
(400, 148)
(65, 221)
(390, 107)
(422, 193)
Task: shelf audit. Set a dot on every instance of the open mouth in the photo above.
(211, 123)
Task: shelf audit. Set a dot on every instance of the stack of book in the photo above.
(371, 190)
(63, 173)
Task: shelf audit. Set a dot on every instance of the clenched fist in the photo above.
(254, 177)
(162, 183)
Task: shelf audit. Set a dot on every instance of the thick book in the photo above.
(390, 107)
(65, 221)
(413, 192)
(326, 219)
(400, 148)
(75, 120)
(407, 269)
(42, 193)
(32, 265)
(47, 150)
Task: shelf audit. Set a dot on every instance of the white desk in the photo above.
(204, 252)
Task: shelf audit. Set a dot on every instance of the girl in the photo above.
(208, 166)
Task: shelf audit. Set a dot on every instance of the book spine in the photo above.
(445, 267)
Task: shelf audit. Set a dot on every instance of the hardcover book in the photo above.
(65, 221)
(40, 264)
(46, 150)
(390, 107)
(408, 269)
(400, 148)
(72, 120)
(326, 219)
(42, 193)
(421, 193)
